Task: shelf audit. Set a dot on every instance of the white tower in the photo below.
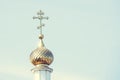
(41, 57)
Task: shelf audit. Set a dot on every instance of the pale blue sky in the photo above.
(82, 34)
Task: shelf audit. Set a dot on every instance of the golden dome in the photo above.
(41, 55)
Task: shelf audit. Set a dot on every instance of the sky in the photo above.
(83, 36)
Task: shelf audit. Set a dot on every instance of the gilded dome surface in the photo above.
(41, 55)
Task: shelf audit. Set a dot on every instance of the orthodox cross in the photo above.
(40, 17)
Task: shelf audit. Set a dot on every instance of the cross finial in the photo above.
(40, 17)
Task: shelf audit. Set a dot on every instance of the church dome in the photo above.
(41, 55)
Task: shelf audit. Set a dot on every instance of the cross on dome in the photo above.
(40, 17)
